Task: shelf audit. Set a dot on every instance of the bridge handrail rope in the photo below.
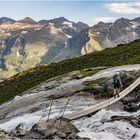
(50, 110)
(47, 105)
(56, 118)
(64, 111)
(103, 104)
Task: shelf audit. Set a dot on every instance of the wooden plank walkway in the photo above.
(97, 107)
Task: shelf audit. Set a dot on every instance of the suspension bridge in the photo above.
(97, 107)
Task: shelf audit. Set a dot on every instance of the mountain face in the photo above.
(101, 36)
(5, 20)
(68, 27)
(28, 20)
(27, 43)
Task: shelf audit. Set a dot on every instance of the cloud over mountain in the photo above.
(124, 8)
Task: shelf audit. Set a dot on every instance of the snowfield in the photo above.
(68, 23)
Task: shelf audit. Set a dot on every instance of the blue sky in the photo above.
(89, 12)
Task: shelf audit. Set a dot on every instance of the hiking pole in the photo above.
(64, 111)
(50, 110)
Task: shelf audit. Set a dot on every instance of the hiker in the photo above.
(117, 83)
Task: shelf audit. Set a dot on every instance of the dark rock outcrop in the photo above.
(133, 120)
(131, 107)
(6, 136)
(52, 129)
(19, 131)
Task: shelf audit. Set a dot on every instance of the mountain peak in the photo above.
(82, 25)
(58, 20)
(43, 22)
(6, 20)
(124, 20)
(101, 24)
(28, 20)
(62, 19)
(136, 19)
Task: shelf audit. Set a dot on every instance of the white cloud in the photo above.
(104, 19)
(124, 8)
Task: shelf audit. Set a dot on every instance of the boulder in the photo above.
(6, 136)
(133, 120)
(79, 76)
(52, 129)
(3, 134)
(19, 131)
(131, 107)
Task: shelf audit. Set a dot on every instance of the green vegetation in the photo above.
(121, 55)
(90, 71)
(102, 95)
(90, 85)
(86, 72)
(20, 63)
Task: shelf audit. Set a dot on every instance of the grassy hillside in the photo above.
(121, 55)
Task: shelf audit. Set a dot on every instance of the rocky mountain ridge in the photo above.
(101, 36)
(27, 43)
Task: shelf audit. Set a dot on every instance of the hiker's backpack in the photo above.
(115, 79)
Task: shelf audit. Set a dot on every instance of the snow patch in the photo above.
(32, 118)
(8, 34)
(27, 123)
(68, 23)
(24, 32)
(97, 136)
(69, 36)
(51, 23)
(98, 33)
(135, 24)
(97, 127)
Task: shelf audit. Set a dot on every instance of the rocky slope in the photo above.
(35, 105)
(100, 36)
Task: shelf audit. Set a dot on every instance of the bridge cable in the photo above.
(52, 124)
(47, 105)
(61, 118)
(50, 110)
